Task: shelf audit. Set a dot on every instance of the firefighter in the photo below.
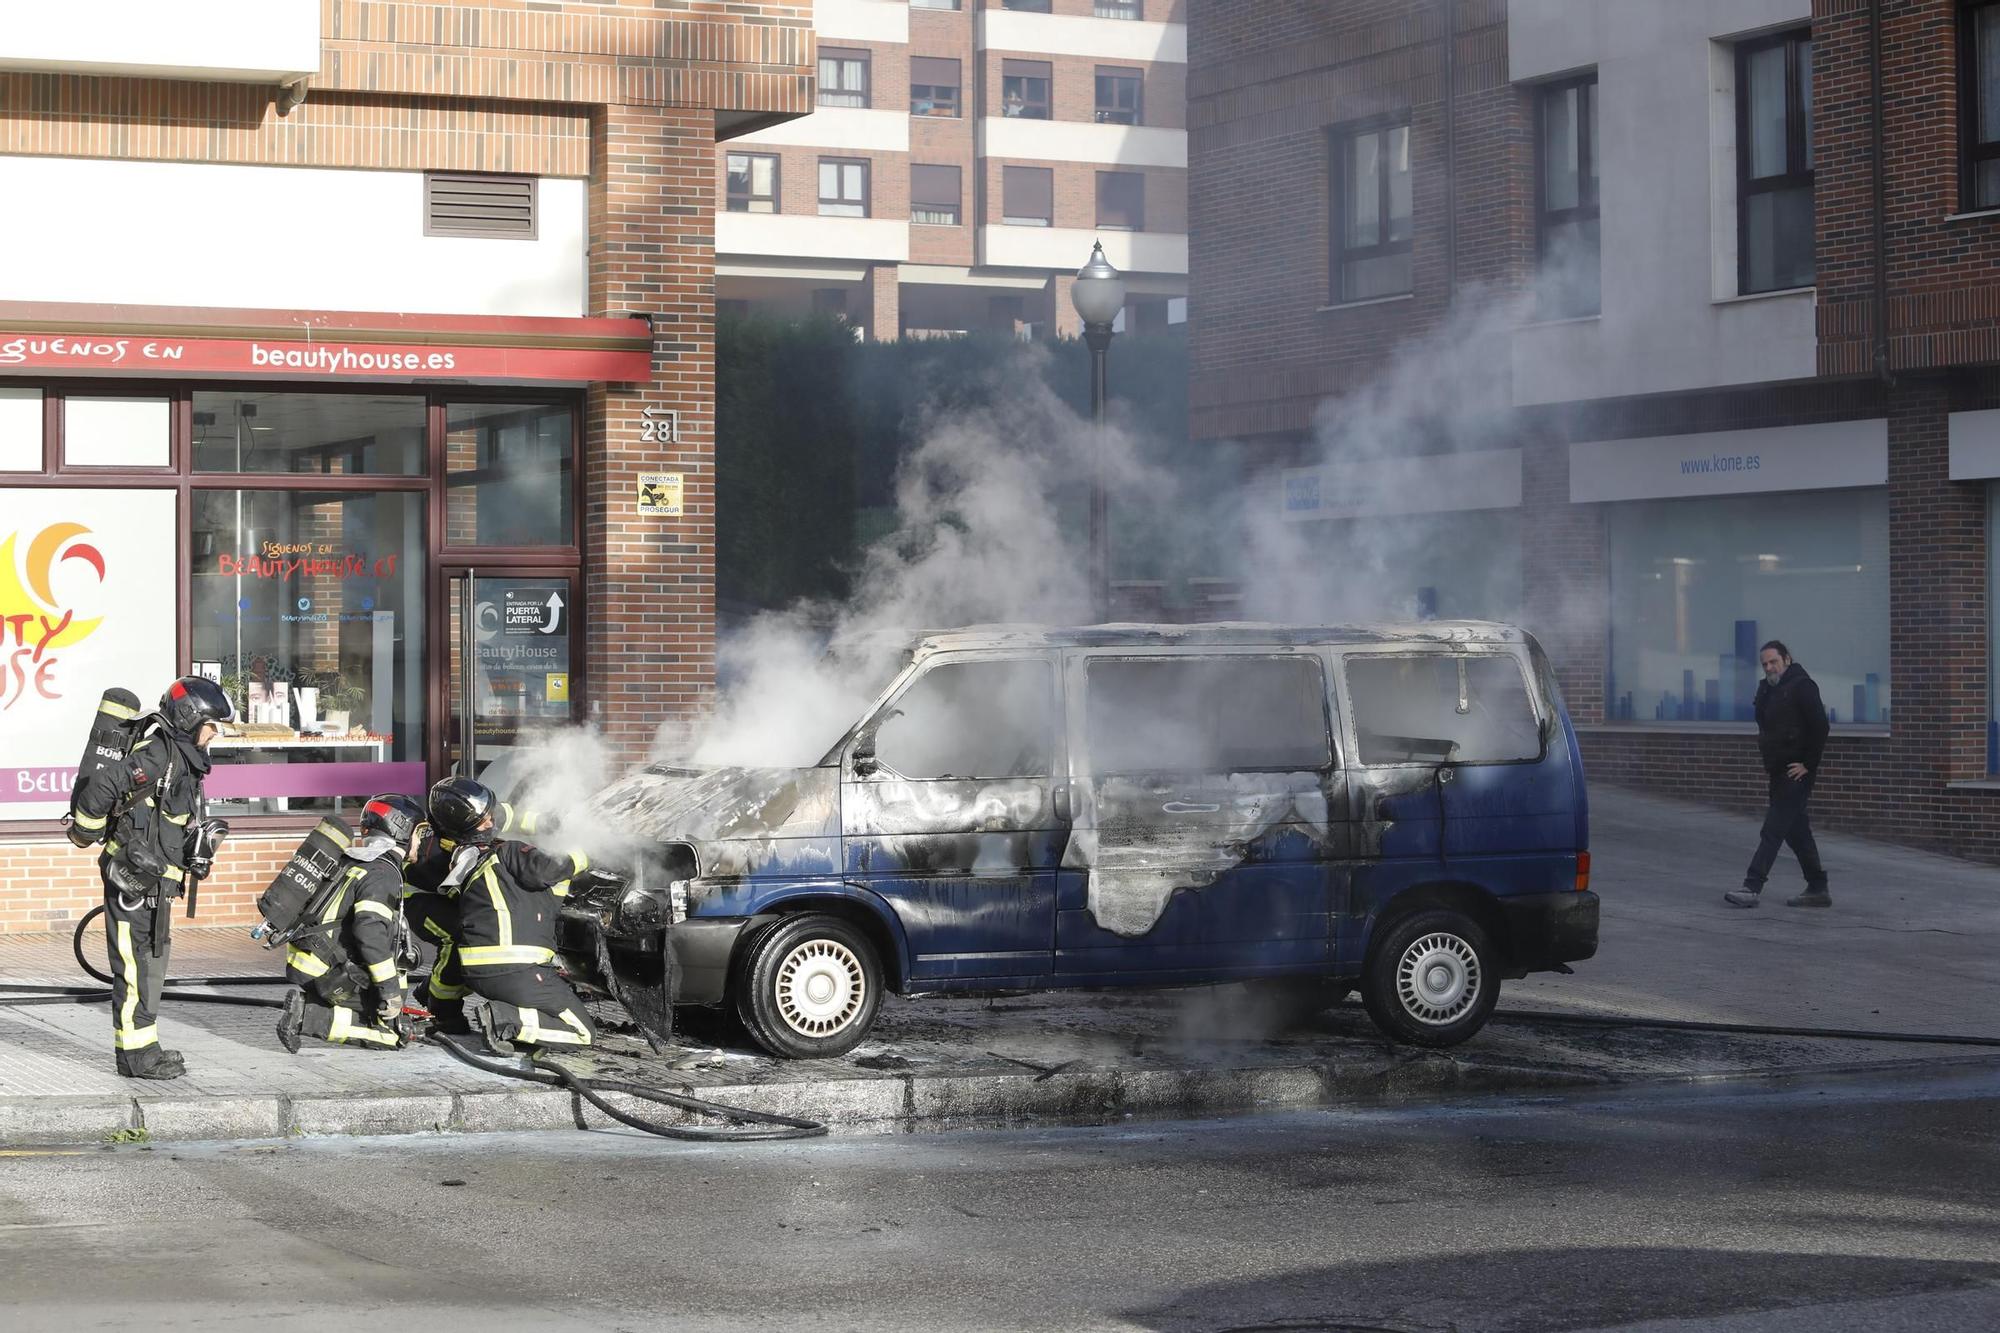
(508, 895)
(440, 997)
(347, 965)
(142, 807)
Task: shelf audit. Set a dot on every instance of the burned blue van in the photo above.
(1397, 810)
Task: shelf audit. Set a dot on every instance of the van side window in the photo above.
(1438, 708)
(972, 720)
(1206, 714)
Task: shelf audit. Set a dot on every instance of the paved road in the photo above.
(1870, 1204)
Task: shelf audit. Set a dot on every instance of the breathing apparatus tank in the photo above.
(287, 905)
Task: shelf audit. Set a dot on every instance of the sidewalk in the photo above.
(1907, 947)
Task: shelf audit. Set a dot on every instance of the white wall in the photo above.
(251, 41)
(175, 233)
(1671, 319)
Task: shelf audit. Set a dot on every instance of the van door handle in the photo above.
(1189, 808)
(1065, 802)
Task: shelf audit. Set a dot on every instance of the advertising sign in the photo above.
(86, 602)
(318, 359)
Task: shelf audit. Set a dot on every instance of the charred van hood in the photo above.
(726, 804)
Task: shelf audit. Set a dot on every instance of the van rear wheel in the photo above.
(1431, 980)
(810, 988)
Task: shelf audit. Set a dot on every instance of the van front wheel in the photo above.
(1431, 980)
(810, 988)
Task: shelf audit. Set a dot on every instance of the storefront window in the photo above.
(86, 605)
(117, 432)
(308, 606)
(20, 429)
(509, 468)
(1698, 586)
(328, 433)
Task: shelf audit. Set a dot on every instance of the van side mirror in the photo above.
(862, 756)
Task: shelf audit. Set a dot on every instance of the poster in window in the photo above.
(86, 602)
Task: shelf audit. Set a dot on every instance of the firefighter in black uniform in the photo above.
(441, 995)
(348, 965)
(508, 896)
(145, 809)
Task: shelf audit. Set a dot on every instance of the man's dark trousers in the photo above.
(1786, 823)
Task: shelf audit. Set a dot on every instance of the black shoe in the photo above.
(292, 1021)
(490, 1031)
(1741, 897)
(1811, 898)
(165, 1065)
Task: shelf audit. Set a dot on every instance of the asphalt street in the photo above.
(1867, 1203)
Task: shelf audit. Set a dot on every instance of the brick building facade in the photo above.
(415, 290)
(1766, 411)
(919, 103)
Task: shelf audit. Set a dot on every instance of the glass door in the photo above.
(522, 632)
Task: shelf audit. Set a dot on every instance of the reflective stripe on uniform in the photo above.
(440, 991)
(560, 888)
(502, 955)
(127, 1037)
(344, 1028)
(117, 709)
(136, 1039)
(578, 863)
(177, 819)
(534, 1033)
(174, 874)
(499, 901)
(305, 962)
(379, 909)
(83, 820)
(382, 971)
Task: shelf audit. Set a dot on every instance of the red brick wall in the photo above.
(1266, 81)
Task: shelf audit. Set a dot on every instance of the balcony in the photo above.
(1069, 141)
(1072, 35)
(790, 236)
(235, 41)
(863, 20)
(1068, 247)
(844, 129)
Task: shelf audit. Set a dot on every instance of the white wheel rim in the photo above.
(820, 988)
(1438, 979)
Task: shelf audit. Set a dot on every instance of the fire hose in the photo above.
(745, 1125)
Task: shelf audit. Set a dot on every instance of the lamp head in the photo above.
(1099, 293)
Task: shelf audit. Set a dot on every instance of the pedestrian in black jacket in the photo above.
(1791, 737)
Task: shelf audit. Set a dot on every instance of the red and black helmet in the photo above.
(395, 815)
(193, 700)
(458, 805)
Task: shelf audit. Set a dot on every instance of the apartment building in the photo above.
(963, 157)
(358, 355)
(1734, 267)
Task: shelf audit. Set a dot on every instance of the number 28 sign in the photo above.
(659, 425)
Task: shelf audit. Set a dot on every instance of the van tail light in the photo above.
(1582, 871)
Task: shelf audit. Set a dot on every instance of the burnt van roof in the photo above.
(1215, 634)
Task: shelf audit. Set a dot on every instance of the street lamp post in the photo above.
(1099, 295)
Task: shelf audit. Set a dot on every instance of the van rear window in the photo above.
(1206, 714)
(1438, 709)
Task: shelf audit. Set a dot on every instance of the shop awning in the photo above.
(172, 342)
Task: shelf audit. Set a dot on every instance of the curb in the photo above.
(900, 1104)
